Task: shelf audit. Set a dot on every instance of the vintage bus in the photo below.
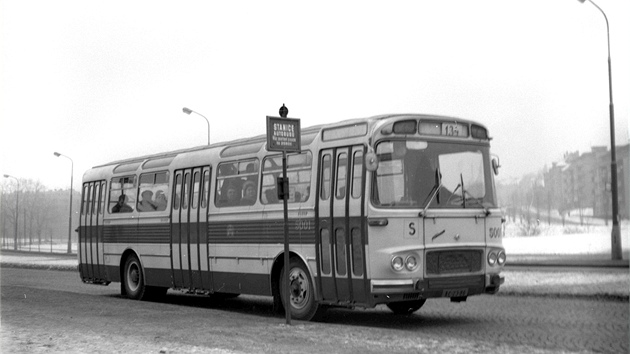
(392, 209)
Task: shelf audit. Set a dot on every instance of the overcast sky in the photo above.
(102, 81)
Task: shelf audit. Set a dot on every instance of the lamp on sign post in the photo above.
(615, 237)
(189, 111)
(70, 214)
(17, 203)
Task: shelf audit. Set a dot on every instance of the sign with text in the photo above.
(283, 134)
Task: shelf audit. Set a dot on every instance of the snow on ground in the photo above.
(567, 240)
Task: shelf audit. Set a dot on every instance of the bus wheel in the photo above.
(301, 291)
(133, 279)
(406, 307)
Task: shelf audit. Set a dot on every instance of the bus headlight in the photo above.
(501, 258)
(492, 258)
(397, 263)
(411, 263)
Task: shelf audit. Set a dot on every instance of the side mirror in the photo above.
(495, 165)
(371, 161)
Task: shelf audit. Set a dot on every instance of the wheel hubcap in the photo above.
(134, 276)
(298, 288)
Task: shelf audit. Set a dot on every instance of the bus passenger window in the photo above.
(151, 191)
(298, 172)
(122, 194)
(237, 183)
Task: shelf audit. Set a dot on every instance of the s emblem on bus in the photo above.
(410, 228)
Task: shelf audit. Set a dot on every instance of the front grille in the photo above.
(450, 262)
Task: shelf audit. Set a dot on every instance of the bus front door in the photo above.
(340, 242)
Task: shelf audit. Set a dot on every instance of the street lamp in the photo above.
(17, 204)
(615, 236)
(70, 214)
(189, 111)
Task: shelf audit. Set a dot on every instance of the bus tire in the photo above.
(302, 302)
(133, 279)
(406, 307)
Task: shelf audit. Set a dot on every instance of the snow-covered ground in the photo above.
(567, 240)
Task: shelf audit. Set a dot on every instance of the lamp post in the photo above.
(615, 236)
(189, 111)
(70, 213)
(17, 204)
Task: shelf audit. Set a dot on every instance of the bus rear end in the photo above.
(434, 226)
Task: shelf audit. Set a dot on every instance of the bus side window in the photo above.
(357, 170)
(177, 191)
(232, 178)
(195, 190)
(152, 190)
(325, 177)
(122, 194)
(205, 188)
(342, 161)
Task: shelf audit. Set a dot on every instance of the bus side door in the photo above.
(90, 246)
(189, 243)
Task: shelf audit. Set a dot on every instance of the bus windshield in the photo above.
(412, 174)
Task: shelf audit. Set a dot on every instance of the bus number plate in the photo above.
(455, 293)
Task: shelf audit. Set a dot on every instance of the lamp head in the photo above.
(6, 176)
(57, 154)
(187, 110)
(582, 1)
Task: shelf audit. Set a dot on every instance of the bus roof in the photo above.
(312, 130)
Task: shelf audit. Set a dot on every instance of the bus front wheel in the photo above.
(302, 302)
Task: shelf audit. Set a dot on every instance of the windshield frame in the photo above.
(446, 196)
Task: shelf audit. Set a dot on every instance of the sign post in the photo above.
(283, 134)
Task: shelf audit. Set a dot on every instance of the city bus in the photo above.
(392, 209)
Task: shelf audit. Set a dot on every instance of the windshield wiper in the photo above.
(434, 191)
(461, 178)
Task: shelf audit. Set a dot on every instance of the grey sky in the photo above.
(102, 81)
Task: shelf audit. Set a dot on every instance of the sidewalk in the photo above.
(583, 276)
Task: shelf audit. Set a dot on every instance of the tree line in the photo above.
(42, 215)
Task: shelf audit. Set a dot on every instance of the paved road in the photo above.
(50, 309)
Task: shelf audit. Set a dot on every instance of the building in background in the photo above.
(582, 182)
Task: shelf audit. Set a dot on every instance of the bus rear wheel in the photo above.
(133, 279)
(406, 307)
(302, 302)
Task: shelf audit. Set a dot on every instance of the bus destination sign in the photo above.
(283, 134)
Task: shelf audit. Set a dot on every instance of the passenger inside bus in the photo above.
(122, 206)
(249, 193)
(230, 196)
(160, 200)
(147, 204)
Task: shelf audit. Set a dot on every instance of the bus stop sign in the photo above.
(283, 134)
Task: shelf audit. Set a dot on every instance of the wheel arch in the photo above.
(276, 269)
